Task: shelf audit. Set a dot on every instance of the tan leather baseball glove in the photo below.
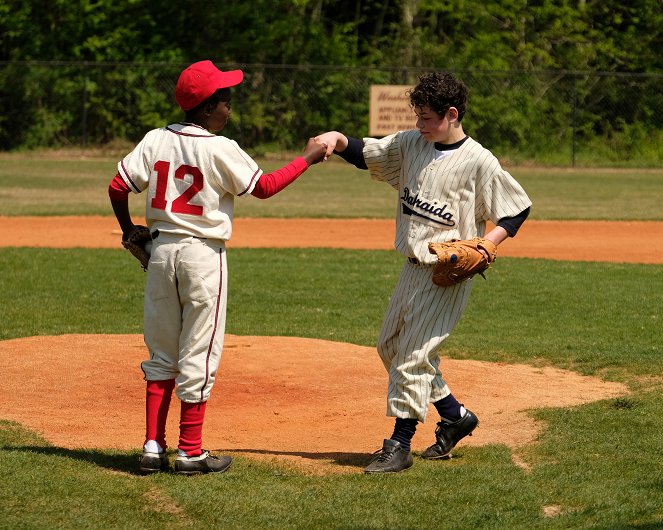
(135, 242)
(460, 259)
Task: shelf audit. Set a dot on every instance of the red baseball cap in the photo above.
(200, 80)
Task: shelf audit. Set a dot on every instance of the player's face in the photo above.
(219, 117)
(432, 126)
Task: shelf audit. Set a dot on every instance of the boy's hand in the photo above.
(315, 151)
(335, 141)
(139, 242)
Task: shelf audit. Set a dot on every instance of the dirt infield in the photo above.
(265, 403)
(639, 241)
(315, 403)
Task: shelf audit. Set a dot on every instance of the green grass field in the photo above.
(598, 465)
(40, 185)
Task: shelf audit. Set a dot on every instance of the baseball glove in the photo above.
(139, 243)
(459, 260)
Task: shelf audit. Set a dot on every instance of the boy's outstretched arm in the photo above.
(348, 148)
(269, 184)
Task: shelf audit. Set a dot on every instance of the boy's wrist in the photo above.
(341, 143)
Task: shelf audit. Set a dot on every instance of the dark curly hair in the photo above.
(439, 91)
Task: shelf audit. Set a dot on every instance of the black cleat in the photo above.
(392, 458)
(204, 463)
(447, 435)
(153, 462)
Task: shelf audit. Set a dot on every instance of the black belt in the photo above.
(155, 234)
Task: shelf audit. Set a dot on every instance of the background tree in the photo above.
(101, 69)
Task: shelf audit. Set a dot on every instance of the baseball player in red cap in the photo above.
(191, 178)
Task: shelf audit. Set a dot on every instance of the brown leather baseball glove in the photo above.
(460, 259)
(136, 241)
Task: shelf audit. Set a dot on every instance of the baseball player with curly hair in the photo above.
(191, 178)
(448, 187)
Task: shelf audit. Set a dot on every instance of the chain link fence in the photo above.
(548, 117)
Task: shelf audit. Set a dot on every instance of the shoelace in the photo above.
(382, 456)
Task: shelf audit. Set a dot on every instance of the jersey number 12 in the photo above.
(181, 204)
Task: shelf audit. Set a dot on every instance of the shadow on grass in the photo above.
(358, 460)
(124, 463)
(128, 463)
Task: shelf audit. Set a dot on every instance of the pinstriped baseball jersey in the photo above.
(441, 196)
(441, 199)
(192, 177)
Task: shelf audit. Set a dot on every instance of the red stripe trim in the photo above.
(253, 179)
(216, 319)
(126, 174)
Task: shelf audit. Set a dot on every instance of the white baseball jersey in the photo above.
(441, 196)
(191, 177)
(442, 199)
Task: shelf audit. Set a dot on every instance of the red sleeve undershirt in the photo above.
(268, 184)
(118, 190)
(271, 183)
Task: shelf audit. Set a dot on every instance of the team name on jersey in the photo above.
(431, 210)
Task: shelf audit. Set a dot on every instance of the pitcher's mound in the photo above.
(314, 403)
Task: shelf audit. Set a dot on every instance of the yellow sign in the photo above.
(390, 110)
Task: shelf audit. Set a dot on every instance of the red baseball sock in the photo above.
(192, 417)
(157, 402)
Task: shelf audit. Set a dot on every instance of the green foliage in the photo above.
(521, 60)
(630, 35)
(531, 103)
(632, 145)
(130, 113)
(515, 34)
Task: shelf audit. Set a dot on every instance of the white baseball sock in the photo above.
(152, 446)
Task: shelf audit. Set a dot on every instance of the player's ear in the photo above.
(452, 114)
